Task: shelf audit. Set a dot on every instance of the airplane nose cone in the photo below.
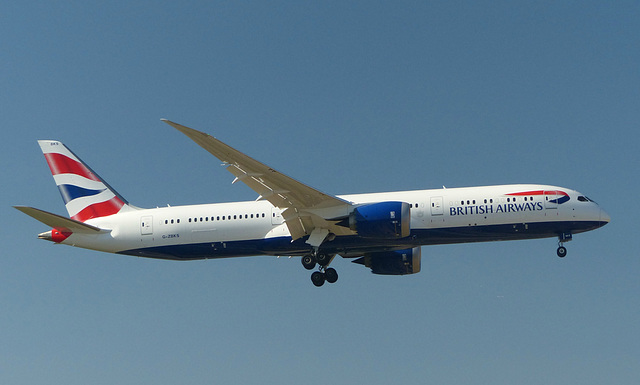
(604, 217)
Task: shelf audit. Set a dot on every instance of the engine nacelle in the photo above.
(400, 262)
(385, 220)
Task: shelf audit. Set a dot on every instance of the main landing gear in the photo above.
(324, 272)
(562, 238)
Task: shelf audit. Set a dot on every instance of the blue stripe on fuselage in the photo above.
(355, 244)
(560, 200)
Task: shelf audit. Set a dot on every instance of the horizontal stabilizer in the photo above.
(59, 222)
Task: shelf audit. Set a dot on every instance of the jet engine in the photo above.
(399, 262)
(384, 220)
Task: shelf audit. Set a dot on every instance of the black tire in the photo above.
(308, 262)
(562, 252)
(331, 275)
(317, 278)
(323, 259)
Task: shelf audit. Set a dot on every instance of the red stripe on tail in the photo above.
(97, 210)
(61, 164)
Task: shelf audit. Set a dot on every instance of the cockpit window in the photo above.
(582, 198)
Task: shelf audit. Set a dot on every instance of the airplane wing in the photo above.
(305, 209)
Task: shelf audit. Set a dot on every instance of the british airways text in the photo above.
(495, 209)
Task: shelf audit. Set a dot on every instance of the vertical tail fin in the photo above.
(84, 193)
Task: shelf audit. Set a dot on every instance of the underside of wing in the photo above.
(304, 208)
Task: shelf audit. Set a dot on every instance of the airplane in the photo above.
(382, 231)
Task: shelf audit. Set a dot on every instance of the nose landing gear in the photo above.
(562, 251)
(562, 238)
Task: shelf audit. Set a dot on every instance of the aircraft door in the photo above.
(437, 206)
(551, 199)
(276, 216)
(146, 225)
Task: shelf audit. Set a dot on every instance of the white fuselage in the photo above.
(455, 215)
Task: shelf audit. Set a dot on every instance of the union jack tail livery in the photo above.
(84, 193)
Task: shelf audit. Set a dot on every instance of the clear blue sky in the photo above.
(347, 97)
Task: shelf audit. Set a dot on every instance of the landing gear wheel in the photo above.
(331, 275)
(308, 262)
(323, 259)
(562, 251)
(317, 278)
